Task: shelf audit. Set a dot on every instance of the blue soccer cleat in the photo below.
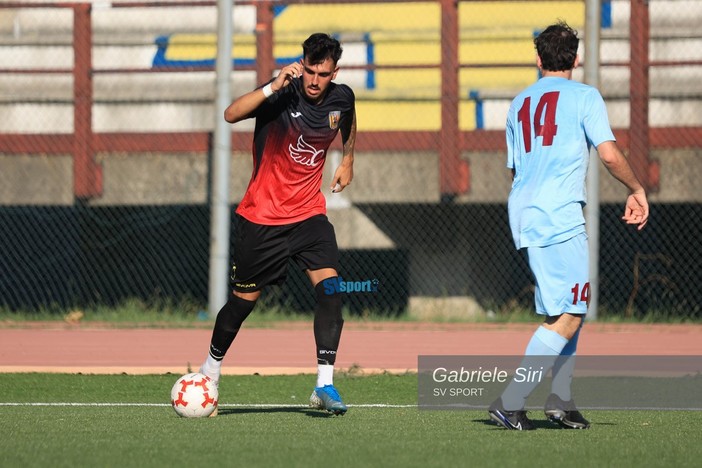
(327, 398)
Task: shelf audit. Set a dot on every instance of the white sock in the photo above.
(212, 368)
(325, 375)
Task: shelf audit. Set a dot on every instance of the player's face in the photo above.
(316, 78)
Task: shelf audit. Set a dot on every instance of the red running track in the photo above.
(289, 347)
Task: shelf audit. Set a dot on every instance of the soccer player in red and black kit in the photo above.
(282, 216)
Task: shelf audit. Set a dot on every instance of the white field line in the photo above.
(221, 405)
(362, 405)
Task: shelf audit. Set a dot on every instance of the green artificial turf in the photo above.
(125, 420)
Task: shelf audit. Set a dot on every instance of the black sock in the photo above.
(227, 325)
(327, 325)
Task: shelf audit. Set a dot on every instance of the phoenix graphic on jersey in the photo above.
(305, 154)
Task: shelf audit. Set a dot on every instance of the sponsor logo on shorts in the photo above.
(245, 285)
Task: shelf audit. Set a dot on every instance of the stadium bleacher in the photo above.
(377, 34)
(402, 34)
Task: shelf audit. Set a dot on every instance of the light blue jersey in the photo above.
(550, 128)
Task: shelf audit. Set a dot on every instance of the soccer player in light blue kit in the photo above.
(550, 128)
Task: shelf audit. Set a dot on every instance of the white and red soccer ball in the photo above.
(194, 395)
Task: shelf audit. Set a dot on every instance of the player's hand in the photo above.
(342, 177)
(286, 75)
(636, 210)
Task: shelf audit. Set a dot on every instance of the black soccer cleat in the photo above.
(564, 413)
(513, 420)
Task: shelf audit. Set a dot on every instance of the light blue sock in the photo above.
(563, 369)
(541, 353)
(545, 342)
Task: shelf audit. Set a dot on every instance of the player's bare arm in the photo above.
(344, 173)
(636, 209)
(243, 106)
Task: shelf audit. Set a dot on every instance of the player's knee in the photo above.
(234, 312)
(328, 301)
(566, 325)
(248, 296)
(575, 321)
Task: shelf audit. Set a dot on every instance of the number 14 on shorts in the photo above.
(581, 294)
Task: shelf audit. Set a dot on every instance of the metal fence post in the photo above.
(219, 191)
(87, 174)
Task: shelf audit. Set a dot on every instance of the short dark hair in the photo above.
(557, 46)
(319, 47)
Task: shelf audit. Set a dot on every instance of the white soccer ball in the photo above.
(194, 396)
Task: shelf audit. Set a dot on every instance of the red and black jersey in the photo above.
(290, 144)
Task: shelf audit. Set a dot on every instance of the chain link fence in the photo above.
(106, 145)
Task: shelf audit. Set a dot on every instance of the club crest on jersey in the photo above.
(334, 117)
(305, 154)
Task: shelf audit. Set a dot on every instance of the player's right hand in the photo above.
(286, 75)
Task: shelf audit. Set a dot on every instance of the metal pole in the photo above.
(219, 191)
(87, 173)
(639, 90)
(593, 16)
(449, 152)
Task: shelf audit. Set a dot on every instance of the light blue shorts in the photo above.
(562, 276)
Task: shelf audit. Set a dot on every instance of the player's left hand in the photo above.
(342, 177)
(636, 210)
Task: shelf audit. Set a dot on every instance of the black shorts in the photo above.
(261, 252)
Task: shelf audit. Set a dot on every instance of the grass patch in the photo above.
(288, 434)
